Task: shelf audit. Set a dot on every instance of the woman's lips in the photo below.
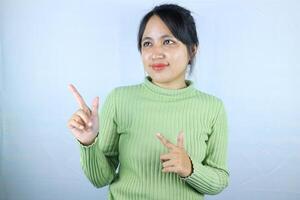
(158, 66)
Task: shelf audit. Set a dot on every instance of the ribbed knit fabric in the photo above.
(129, 119)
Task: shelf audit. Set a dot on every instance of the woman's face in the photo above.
(165, 58)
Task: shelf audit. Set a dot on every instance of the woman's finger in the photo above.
(95, 106)
(78, 97)
(170, 169)
(84, 116)
(165, 141)
(78, 119)
(167, 156)
(73, 124)
(180, 140)
(169, 163)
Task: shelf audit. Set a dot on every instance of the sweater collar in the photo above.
(169, 94)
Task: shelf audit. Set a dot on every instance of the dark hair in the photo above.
(180, 22)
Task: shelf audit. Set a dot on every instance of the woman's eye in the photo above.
(145, 44)
(168, 42)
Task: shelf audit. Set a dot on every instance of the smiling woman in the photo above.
(168, 138)
(165, 58)
(168, 42)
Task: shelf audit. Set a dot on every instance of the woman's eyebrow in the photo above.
(163, 36)
(146, 38)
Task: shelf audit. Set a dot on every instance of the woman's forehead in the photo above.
(145, 37)
(156, 28)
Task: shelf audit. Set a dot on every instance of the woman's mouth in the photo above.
(159, 66)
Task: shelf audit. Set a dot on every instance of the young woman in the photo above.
(168, 139)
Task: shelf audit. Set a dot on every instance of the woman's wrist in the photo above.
(191, 170)
(91, 142)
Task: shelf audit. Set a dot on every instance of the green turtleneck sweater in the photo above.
(126, 153)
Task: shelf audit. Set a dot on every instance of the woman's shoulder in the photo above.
(125, 90)
(212, 103)
(208, 97)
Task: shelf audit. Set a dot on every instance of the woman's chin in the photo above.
(157, 77)
(160, 79)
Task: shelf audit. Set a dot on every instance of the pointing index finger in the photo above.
(165, 142)
(78, 97)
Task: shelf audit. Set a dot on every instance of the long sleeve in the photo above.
(211, 176)
(99, 160)
(125, 155)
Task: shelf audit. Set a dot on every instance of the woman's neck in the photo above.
(176, 84)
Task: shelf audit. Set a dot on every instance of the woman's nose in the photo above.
(157, 56)
(157, 52)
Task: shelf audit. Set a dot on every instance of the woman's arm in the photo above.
(211, 176)
(99, 160)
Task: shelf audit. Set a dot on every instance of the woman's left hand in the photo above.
(177, 160)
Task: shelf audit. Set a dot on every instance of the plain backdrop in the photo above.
(248, 57)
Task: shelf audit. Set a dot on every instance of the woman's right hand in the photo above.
(84, 123)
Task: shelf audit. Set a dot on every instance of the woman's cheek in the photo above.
(180, 57)
(146, 57)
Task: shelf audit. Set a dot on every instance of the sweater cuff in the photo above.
(82, 146)
(206, 179)
(195, 175)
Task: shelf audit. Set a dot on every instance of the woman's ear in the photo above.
(194, 50)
